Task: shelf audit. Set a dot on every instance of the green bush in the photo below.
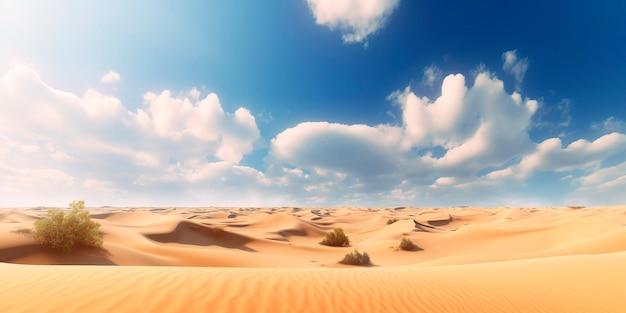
(356, 258)
(407, 244)
(336, 238)
(391, 221)
(62, 232)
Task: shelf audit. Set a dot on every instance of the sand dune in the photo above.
(269, 259)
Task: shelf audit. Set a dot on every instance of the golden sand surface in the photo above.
(467, 259)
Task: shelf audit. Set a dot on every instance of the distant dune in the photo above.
(270, 260)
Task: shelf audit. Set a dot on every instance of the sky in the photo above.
(312, 103)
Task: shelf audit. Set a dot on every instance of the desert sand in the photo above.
(569, 259)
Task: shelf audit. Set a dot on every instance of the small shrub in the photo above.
(391, 221)
(576, 207)
(336, 238)
(407, 244)
(356, 258)
(62, 232)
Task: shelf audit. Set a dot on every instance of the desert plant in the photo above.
(336, 238)
(356, 258)
(62, 232)
(391, 221)
(407, 244)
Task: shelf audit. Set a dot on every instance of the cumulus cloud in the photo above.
(470, 145)
(476, 128)
(359, 151)
(110, 77)
(201, 122)
(580, 154)
(515, 66)
(356, 19)
(594, 187)
(95, 138)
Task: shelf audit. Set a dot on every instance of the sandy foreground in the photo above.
(269, 260)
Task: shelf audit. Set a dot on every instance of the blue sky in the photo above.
(312, 103)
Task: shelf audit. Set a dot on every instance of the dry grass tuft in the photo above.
(336, 238)
(407, 244)
(391, 221)
(356, 258)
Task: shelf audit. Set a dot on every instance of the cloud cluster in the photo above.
(470, 145)
(440, 145)
(199, 125)
(580, 154)
(94, 141)
(356, 19)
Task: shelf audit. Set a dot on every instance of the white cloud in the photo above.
(471, 144)
(431, 75)
(580, 154)
(238, 140)
(611, 124)
(188, 126)
(608, 175)
(97, 105)
(60, 156)
(553, 117)
(602, 187)
(96, 138)
(480, 127)
(7, 146)
(31, 177)
(551, 156)
(468, 146)
(103, 187)
(515, 66)
(475, 128)
(437, 122)
(183, 120)
(174, 118)
(110, 77)
(360, 151)
(357, 19)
